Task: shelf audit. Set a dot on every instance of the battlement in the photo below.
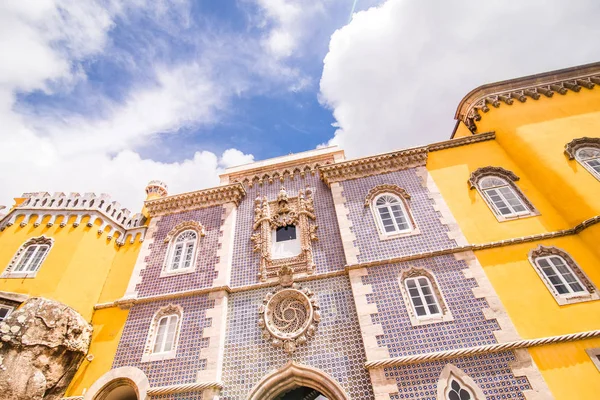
(39, 205)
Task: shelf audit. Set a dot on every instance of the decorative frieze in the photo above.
(368, 166)
(37, 206)
(196, 200)
(575, 144)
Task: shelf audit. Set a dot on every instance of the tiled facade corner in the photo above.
(366, 310)
(142, 259)
(524, 366)
(215, 338)
(384, 387)
(440, 206)
(341, 211)
(225, 246)
(484, 290)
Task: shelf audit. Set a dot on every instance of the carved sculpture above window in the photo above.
(284, 233)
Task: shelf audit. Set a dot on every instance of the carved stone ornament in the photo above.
(289, 317)
(297, 211)
(479, 173)
(184, 226)
(575, 144)
(386, 188)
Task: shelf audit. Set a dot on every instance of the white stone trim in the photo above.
(450, 371)
(215, 334)
(141, 262)
(341, 210)
(225, 246)
(594, 355)
(131, 376)
(172, 240)
(34, 241)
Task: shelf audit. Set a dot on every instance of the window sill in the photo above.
(420, 321)
(18, 275)
(516, 217)
(383, 236)
(574, 299)
(159, 356)
(164, 274)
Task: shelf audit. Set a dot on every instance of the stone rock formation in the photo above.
(42, 344)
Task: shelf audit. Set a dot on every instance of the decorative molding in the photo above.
(184, 226)
(292, 375)
(8, 272)
(451, 373)
(447, 144)
(276, 321)
(483, 172)
(414, 272)
(484, 349)
(225, 245)
(211, 197)
(592, 291)
(386, 188)
(520, 89)
(95, 208)
(168, 310)
(375, 165)
(278, 175)
(270, 215)
(576, 144)
(184, 388)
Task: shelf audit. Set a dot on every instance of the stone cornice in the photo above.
(379, 164)
(520, 89)
(196, 200)
(463, 141)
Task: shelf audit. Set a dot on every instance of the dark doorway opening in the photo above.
(302, 393)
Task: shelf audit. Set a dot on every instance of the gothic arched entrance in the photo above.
(295, 379)
(124, 383)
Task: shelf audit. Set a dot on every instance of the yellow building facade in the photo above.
(517, 185)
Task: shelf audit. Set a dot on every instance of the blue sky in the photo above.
(106, 95)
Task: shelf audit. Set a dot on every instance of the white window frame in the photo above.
(594, 354)
(444, 314)
(286, 248)
(584, 162)
(579, 274)
(37, 243)
(492, 205)
(421, 295)
(172, 322)
(379, 221)
(167, 312)
(173, 244)
(452, 373)
(9, 309)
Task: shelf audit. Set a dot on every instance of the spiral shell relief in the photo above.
(289, 317)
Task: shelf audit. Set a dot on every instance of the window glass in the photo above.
(182, 256)
(5, 312)
(458, 392)
(560, 275)
(285, 233)
(32, 258)
(590, 157)
(165, 334)
(502, 197)
(392, 215)
(422, 297)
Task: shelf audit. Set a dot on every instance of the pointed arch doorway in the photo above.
(293, 380)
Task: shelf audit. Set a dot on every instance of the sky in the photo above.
(104, 96)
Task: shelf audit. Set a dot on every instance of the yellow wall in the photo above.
(530, 141)
(81, 270)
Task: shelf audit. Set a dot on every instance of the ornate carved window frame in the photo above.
(415, 320)
(562, 299)
(269, 215)
(40, 240)
(165, 311)
(595, 356)
(403, 197)
(450, 373)
(574, 146)
(510, 178)
(171, 239)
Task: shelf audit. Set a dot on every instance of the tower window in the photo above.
(5, 312)
(589, 157)
(29, 258)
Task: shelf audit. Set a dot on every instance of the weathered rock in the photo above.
(43, 343)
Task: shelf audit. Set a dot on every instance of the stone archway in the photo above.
(293, 375)
(125, 383)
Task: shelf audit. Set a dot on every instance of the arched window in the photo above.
(422, 298)
(29, 258)
(589, 157)
(454, 384)
(164, 333)
(391, 214)
(457, 391)
(164, 340)
(499, 191)
(182, 253)
(562, 276)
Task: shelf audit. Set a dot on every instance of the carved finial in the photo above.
(157, 187)
(286, 276)
(282, 195)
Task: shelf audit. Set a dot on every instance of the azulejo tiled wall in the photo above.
(432, 233)
(491, 372)
(336, 349)
(206, 257)
(327, 250)
(187, 362)
(469, 327)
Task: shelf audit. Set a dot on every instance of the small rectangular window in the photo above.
(5, 312)
(285, 233)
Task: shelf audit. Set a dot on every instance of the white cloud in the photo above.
(395, 74)
(42, 45)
